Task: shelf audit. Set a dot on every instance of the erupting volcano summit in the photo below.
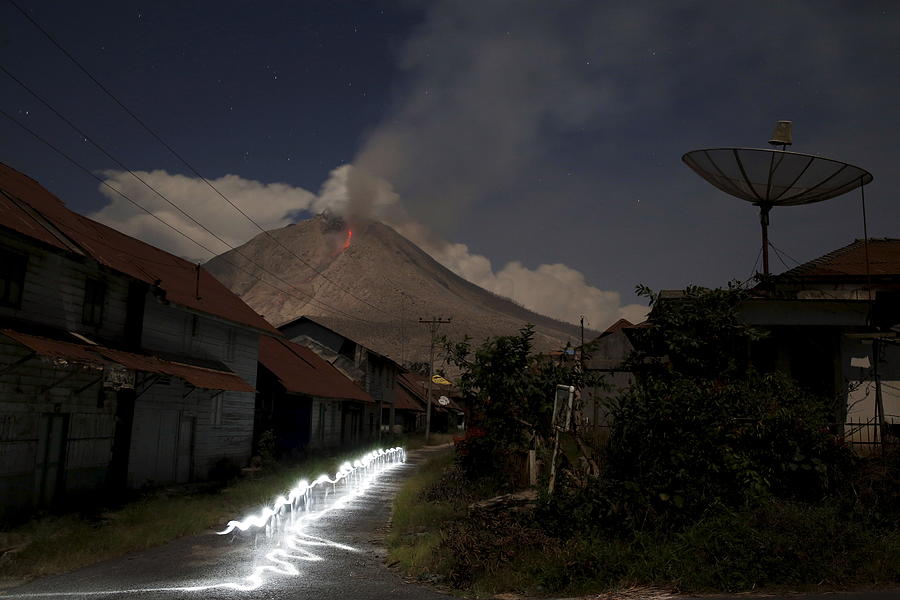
(368, 282)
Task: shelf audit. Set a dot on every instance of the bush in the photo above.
(224, 470)
(679, 445)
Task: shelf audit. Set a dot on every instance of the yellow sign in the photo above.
(440, 380)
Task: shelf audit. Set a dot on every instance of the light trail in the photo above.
(286, 518)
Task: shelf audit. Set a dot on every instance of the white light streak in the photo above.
(286, 518)
(301, 494)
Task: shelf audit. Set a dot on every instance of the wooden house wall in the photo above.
(170, 328)
(53, 292)
(325, 423)
(44, 418)
(52, 409)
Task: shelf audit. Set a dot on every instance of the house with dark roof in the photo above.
(448, 408)
(605, 355)
(376, 373)
(120, 364)
(305, 401)
(834, 324)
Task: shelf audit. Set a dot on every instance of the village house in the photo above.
(120, 364)
(604, 356)
(376, 373)
(304, 401)
(448, 412)
(833, 324)
(409, 406)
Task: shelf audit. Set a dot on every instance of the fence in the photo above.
(867, 434)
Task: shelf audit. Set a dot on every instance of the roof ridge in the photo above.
(811, 264)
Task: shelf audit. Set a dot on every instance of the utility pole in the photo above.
(433, 324)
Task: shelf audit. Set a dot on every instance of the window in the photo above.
(12, 277)
(94, 299)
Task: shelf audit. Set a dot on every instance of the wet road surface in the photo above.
(338, 556)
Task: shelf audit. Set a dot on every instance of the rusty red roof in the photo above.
(28, 208)
(302, 371)
(850, 262)
(101, 356)
(620, 324)
(403, 400)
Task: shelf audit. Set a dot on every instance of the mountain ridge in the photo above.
(391, 283)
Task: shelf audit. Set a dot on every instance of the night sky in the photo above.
(538, 132)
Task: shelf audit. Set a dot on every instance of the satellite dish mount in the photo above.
(768, 178)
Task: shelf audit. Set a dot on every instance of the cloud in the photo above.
(271, 205)
(553, 290)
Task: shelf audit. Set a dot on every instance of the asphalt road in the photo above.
(339, 556)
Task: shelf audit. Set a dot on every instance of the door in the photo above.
(50, 462)
(154, 447)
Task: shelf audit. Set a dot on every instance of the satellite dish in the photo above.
(769, 178)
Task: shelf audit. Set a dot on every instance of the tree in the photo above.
(702, 427)
(512, 391)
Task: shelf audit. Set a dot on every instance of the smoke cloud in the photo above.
(553, 290)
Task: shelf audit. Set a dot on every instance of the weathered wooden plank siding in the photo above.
(53, 292)
(326, 423)
(28, 397)
(224, 422)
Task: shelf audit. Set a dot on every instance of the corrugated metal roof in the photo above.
(177, 277)
(302, 371)
(404, 401)
(620, 324)
(57, 349)
(101, 356)
(850, 262)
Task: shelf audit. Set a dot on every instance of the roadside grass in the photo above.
(774, 545)
(58, 543)
(415, 525)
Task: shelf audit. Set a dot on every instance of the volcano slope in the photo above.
(369, 283)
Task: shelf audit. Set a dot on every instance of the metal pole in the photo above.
(432, 325)
(764, 223)
(862, 195)
(428, 384)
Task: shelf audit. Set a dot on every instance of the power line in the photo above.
(158, 138)
(433, 325)
(178, 231)
(109, 155)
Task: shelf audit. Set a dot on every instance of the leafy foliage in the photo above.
(698, 334)
(702, 428)
(512, 391)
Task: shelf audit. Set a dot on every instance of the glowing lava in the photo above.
(347, 241)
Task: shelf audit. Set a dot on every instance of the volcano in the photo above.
(369, 283)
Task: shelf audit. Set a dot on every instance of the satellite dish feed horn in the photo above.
(768, 178)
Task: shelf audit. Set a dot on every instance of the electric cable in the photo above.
(311, 299)
(177, 155)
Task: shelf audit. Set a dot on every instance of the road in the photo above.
(339, 556)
